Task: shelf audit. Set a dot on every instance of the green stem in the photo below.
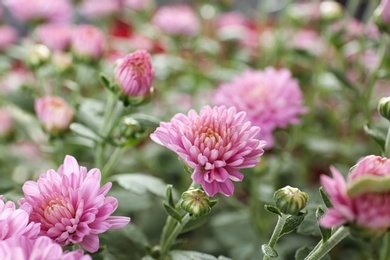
(118, 152)
(321, 251)
(387, 145)
(172, 236)
(385, 252)
(275, 235)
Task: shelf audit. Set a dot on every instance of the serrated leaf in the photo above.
(272, 209)
(84, 131)
(169, 196)
(269, 251)
(302, 252)
(325, 232)
(325, 198)
(172, 212)
(292, 222)
(378, 136)
(140, 184)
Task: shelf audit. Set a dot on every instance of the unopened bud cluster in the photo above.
(290, 200)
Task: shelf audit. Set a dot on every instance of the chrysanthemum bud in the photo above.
(135, 74)
(195, 202)
(330, 10)
(290, 200)
(384, 107)
(37, 55)
(54, 113)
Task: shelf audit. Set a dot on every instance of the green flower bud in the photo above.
(330, 10)
(195, 202)
(384, 107)
(37, 55)
(290, 200)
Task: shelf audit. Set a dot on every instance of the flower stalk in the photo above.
(277, 231)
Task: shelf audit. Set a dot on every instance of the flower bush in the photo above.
(211, 125)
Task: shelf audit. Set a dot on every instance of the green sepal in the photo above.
(325, 198)
(269, 251)
(292, 222)
(369, 183)
(213, 203)
(169, 196)
(325, 232)
(172, 212)
(272, 209)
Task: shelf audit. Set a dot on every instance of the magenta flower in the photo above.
(8, 36)
(370, 210)
(71, 206)
(54, 113)
(271, 99)
(40, 10)
(15, 222)
(42, 248)
(176, 20)
(88, 42)
(216, 143)
(55, 36)
(135, 74)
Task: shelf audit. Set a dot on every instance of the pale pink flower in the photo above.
(271, 98)
(54, 113)
(88, 42)
(8, 36)
(99, 8)
(216, 143)
(40, 10)
(177, 20)
(369, 210)
(138, 5)
(42, 248)
(71, 206)
(56, 36)
(15, 222)
(308, 40)
(135, 73)
(6, 123)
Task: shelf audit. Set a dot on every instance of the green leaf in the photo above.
(146, 121)
(269, 251)
(84, 131)
(169, 196)
(302, 252)
(189, 255)
(369, 183)
(325, 198)
(325, 232)
(106, 82)
(344, 80)
(194, 224)
(378, 136)
(172, 212)
(272, 209)
(141, 183)
(292, 222)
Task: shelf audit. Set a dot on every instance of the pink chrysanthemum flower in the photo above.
(54, 113)
(40, 10)
(135, 74)
(271, 99)
(42, 248)
(55, 36)
(88, 42)
(8, 36)
(216, 143)
(370, 210)
(71, 206)
(15, 222)
(99, 8)
(176, 20)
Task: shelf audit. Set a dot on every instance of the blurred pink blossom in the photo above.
(6, 123)
(40, 10)
(177, 20)
(385, 10)
(8, 36)
(23, 248)
(54, 113)
(71, 206)
(308, 40)
(56, 36)
(138, 5)
(138, 41)
(369, 210)
(216, 143)
(99, 8)
(88, 42)
(135, 74)
(15, 222)
(271, 98)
